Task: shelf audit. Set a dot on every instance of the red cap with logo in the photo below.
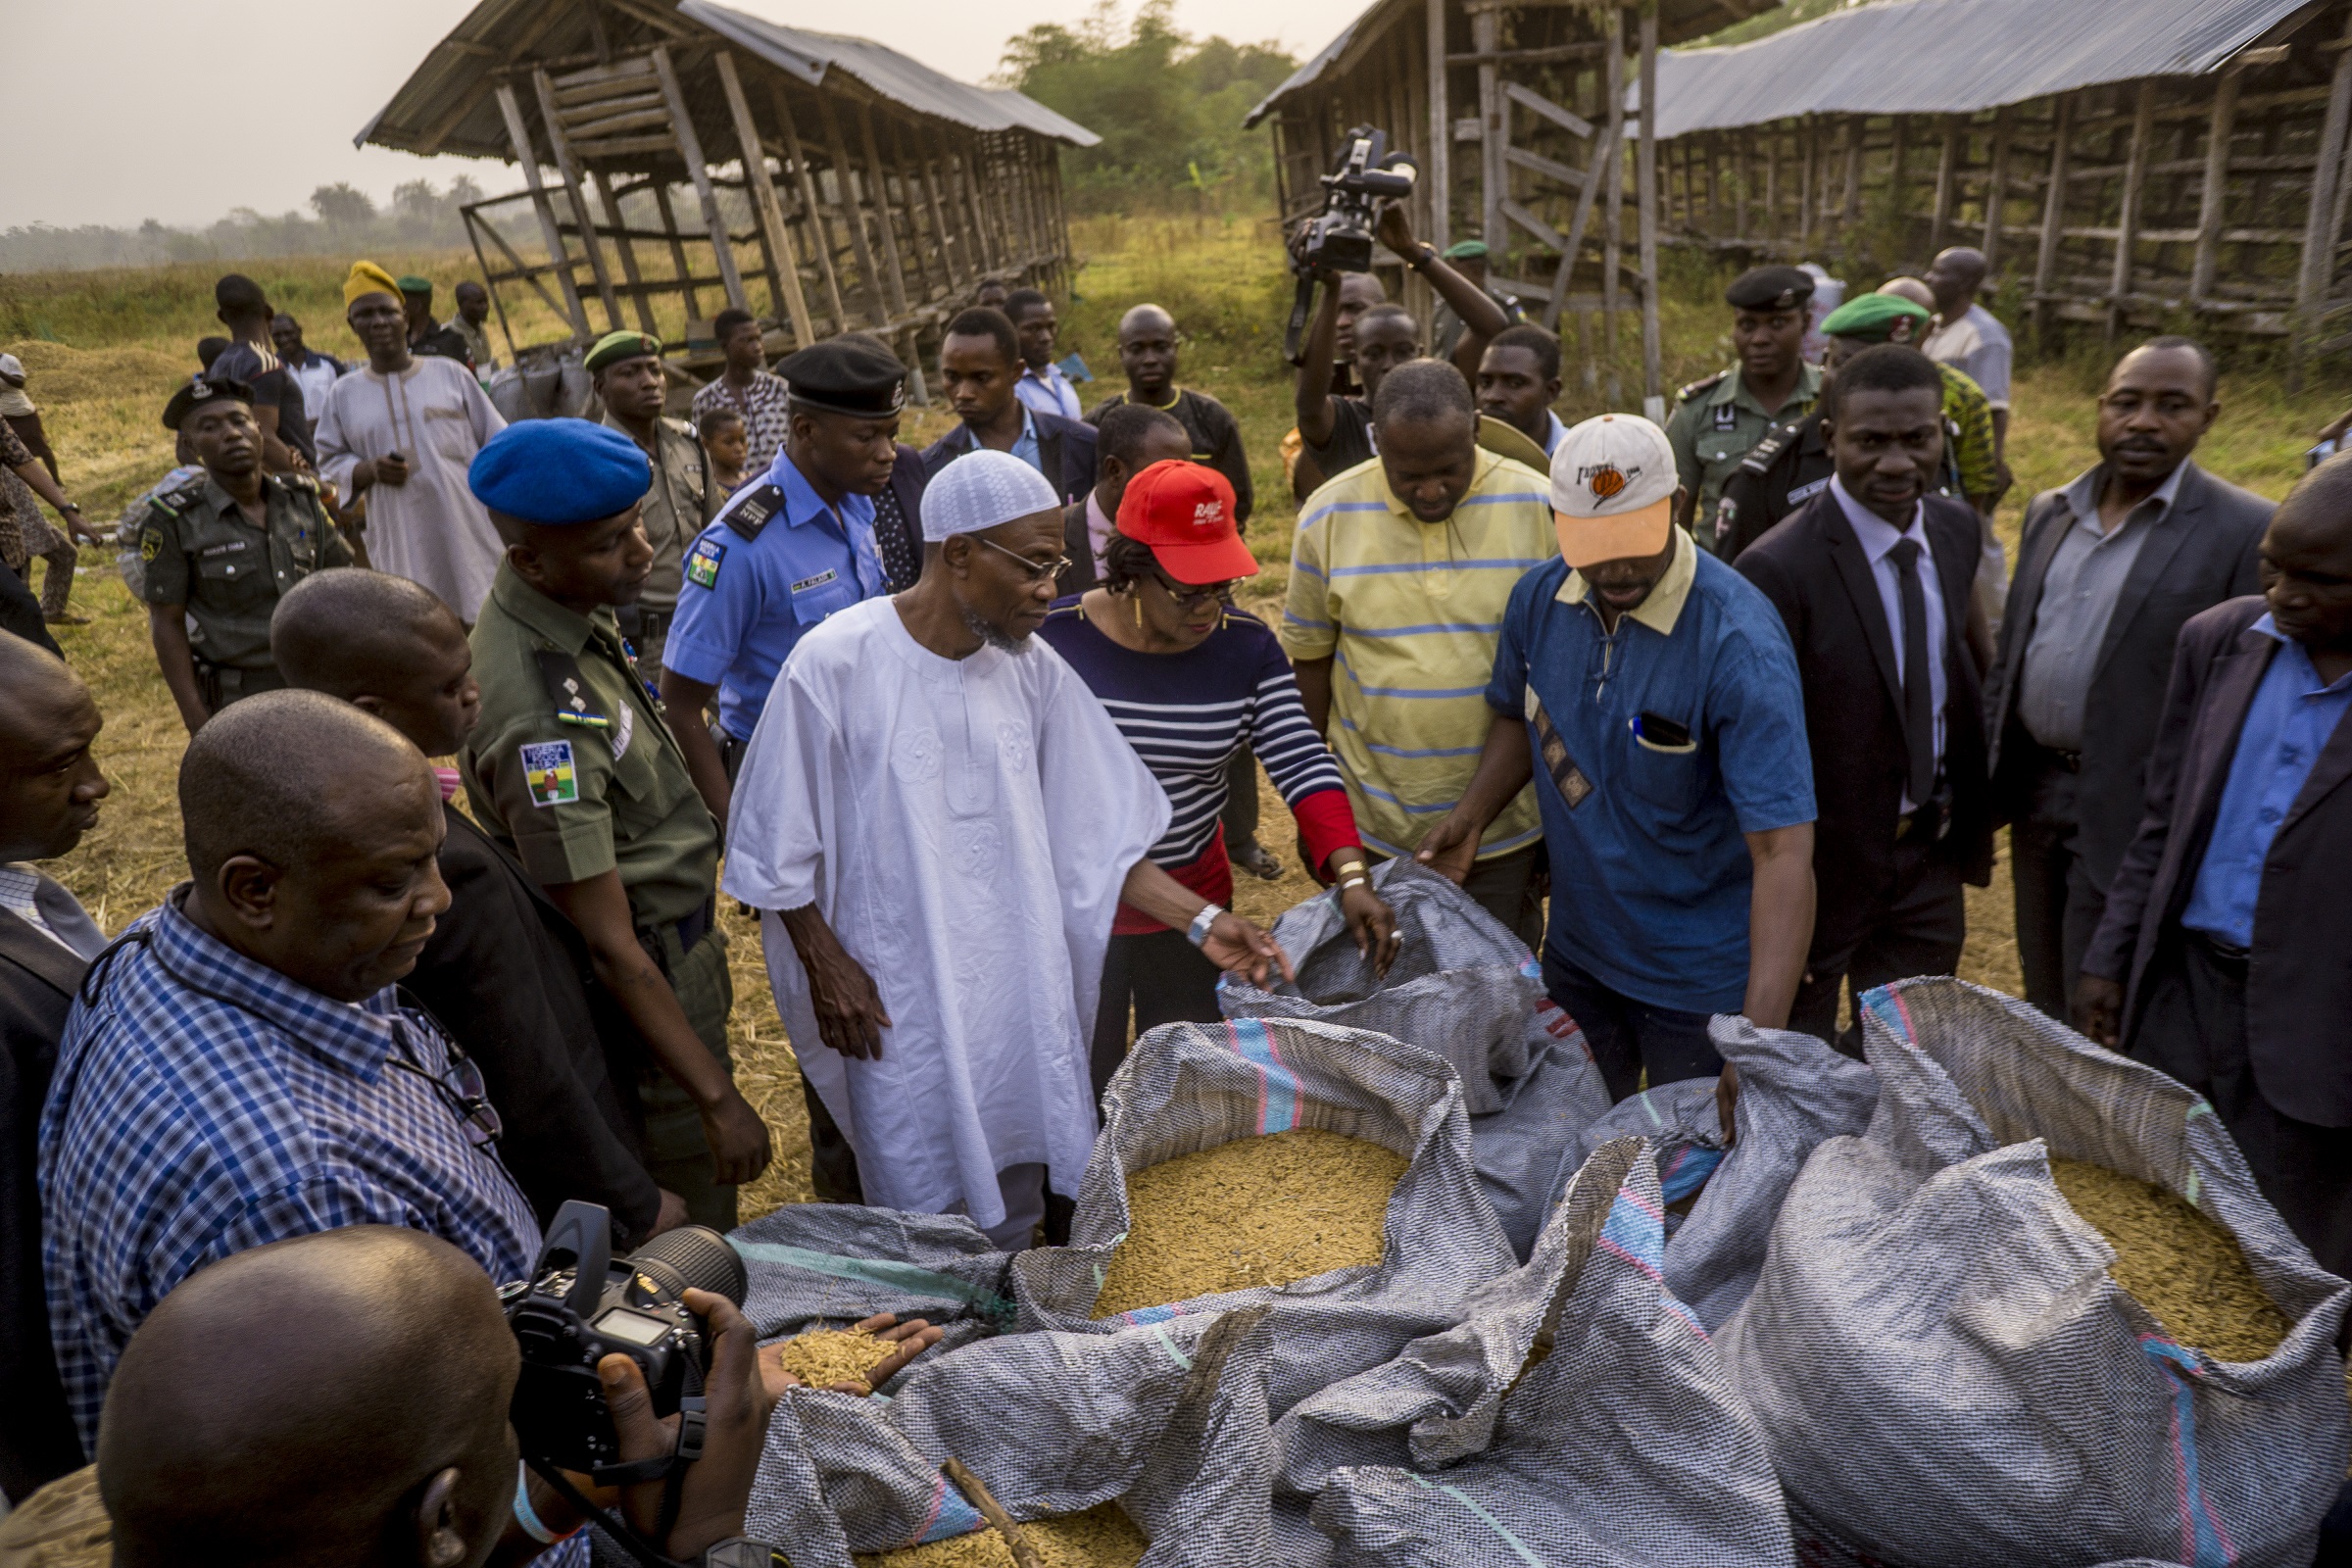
(1185, 512)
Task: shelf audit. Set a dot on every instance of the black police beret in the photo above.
(1770, 288)
(847, 374)
(200, 390)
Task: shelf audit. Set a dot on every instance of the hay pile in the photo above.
(2175, 1262)
(1102, 1537)
(826, 1356)
(1256, 1211)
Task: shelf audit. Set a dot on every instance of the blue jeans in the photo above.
(1628, 1037)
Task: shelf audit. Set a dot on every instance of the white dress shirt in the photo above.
(1878, 538)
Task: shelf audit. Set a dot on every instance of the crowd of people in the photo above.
(1718, 716)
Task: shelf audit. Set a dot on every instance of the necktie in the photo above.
(1919, 711)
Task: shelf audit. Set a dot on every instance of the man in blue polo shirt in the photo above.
(784, 554)
(1658, 689)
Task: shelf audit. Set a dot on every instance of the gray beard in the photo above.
(991, 635)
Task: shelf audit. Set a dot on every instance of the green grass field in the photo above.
(105, 349)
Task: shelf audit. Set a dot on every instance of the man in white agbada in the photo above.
(402, 430)
(942, 818)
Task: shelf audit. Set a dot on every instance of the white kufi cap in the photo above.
(980, 490)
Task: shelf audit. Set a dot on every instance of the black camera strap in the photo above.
(667, 1468)
(613, 1525)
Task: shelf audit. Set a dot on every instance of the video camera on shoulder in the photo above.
(581, 1304)
(1339, 238)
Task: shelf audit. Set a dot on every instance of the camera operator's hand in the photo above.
(718, 1485)
(1394, 229)
(904, 1342)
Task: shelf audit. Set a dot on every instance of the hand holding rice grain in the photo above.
(1256, 1211)
(857, 1359)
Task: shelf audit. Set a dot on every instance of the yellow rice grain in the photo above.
(2179, 1264)
(826, 1356)
(1255, 1211)
(1099, 1537)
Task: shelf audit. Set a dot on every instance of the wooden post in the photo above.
(765, 202)
(1899, 135)
(627, 250)
(1646, 167)
(1744, 161)
(975, 252)
(677, 249)
(1605, 157)
(690, 146)
(2318, 224)
(1494, 134)
(2220, 127)
(1772, 187)
(505, 327)
(520, 136)
(811, 209)
(1441, 130)
(1807, 136)
(949, 254)
(1996, 193)
(1614, 233)
(569, 169)
(1850, 208)
(925, 230)
(1947, 162)
(867, 276)
(2053, 219)
(2127, 221)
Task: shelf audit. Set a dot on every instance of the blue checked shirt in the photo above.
(204, 1105)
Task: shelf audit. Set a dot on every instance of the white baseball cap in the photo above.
(12, 369)
(1612, 490)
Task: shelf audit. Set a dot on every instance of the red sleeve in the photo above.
(1327, 825)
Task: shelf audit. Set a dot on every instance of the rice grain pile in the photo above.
(826, 1356)
(2175, 1262)
(1102, 1537)
(1256, 1211)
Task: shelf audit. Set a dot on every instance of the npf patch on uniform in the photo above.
(548, 774)
(702, 563)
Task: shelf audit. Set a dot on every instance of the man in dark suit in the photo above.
(2109, 569)
(1872, 577)
(1133, 436)
(504, 972)
(980, 363)
(50, 788)
(2220, 958)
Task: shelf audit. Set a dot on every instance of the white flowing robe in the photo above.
(965, 826)
(429, 529)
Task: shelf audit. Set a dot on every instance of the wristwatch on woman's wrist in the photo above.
(1198, 931)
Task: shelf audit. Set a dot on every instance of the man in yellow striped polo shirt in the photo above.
(1399, 574)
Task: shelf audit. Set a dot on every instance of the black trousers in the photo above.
(1919, 929)
(1159, 977)
(2058, 904)
(2192, 1025)
(1240, 799)
(1629, 1039)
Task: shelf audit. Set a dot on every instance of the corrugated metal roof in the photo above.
(1677, 20)
(887, 72)
(1929, 57)
(444, 105)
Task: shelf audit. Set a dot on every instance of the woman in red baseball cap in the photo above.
(1191, 681)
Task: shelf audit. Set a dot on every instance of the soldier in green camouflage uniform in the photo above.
(1717, 419)
(218, 550)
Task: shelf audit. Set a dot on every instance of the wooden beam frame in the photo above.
(879, 312)
(812, 208)
(567, 167)
(626, 248)
(519, 135)
(1645, 166)
(2053, 215)
(690, 144)
(782, 264)
(1441, 128)
(2127, 223)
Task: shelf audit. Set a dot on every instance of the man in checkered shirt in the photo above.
(238, 1068)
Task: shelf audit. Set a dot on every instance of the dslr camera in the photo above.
(1339, 238)
(581, 1304)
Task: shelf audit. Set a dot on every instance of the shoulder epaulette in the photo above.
(1769, 446)
(296, 481)
(1704, 384)
(680, 427)
(567, 689)
(185, 494)
(752, 510)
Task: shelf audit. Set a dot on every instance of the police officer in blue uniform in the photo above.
(784, 554)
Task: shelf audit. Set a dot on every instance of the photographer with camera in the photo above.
(1335, 432)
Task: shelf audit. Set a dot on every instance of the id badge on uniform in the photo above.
(1568, 778)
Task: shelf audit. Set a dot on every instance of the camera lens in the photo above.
(693, 1257)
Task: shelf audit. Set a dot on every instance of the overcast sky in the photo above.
(113, 102)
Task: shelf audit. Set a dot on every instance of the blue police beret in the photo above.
(558, 472)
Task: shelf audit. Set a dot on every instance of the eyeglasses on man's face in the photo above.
(1031, 571)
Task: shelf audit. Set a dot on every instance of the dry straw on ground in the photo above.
(2179, 1264)
(1255, 1211)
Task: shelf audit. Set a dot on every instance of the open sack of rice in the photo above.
(1320, 1170)
(818, 1267)
(1576, 1415)
(2039, 1314)
(1148, 1447)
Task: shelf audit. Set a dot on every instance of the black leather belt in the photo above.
(690, 928)
(2227, 954)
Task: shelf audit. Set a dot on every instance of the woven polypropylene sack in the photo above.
(814, 1265)
(1947, 1373)
(1462, 986)
(1189, 1087)
(1580, 1416)
(1169, 1421)
(1526, 1151)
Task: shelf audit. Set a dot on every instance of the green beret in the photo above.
(1877, 319)
(413, 284)
(615, 346)
(1468, 250)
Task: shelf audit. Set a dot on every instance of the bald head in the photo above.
(1909, 288)
(1148, 354)
(50, 785)
(298, 1403)
(1954, 276)
(384, 643)
(1145, 319)
(2307, 565)
(280, 774)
